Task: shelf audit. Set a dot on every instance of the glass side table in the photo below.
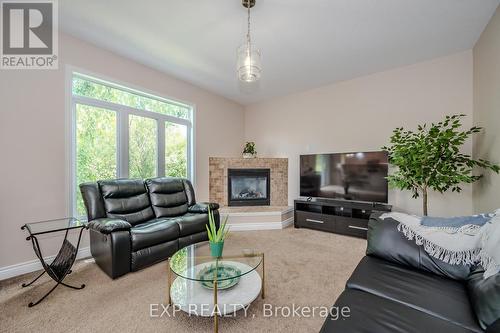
(60, 267)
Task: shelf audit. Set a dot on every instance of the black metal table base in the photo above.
(59, 268)
(31, 304)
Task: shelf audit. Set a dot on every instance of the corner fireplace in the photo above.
(248, 187)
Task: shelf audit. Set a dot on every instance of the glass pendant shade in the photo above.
(249, 63)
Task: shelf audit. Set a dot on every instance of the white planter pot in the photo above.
(248, 155)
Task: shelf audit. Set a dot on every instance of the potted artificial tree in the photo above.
(430, 158)
(216, 236)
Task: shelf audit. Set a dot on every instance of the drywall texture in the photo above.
(486, 192)
(34, 139)
(360, 114)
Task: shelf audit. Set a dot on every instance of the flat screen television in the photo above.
(350, 176)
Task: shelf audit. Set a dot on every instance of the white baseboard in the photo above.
(34, 265)
(260, 225)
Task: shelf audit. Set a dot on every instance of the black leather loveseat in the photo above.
(135, 223)
(398, 287)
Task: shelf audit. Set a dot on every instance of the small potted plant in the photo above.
(216, 236)
(249, 150)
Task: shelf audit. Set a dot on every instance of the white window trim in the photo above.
(122, 127)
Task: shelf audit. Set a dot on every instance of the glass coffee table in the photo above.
(202, 285)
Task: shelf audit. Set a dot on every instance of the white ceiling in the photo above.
(305, 43)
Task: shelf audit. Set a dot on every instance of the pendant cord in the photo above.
(248, 31)
(249, 69)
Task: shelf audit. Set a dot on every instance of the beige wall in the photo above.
(359, 115)
(487, 112)
(33, 142)
(353, 115)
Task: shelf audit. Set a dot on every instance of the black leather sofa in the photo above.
(398, 287)
(135, 223)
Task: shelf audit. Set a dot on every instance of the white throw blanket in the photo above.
(467, 245)
(452, 245)
(490, 247)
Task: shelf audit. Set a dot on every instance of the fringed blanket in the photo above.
(467, 244)
(452, 245)
(489, 256)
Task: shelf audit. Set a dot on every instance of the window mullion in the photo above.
(124, 108)
(73, 168)
(161, 148)
(189, 153)
(123, 144)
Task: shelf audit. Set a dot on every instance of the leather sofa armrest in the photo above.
(202, 208)
(107, 225)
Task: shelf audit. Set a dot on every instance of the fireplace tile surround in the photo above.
(218, 177)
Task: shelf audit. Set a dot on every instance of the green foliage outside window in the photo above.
(142, 147)
(96, 137)
(95, 146)
(83, 87)
(175, 150)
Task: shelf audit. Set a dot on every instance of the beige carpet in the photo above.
(305, 267)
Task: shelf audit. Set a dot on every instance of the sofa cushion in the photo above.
(372, 314)
(192, 223)
(188, 187)
(193, 238)
(435, 295)
(92, 198)
(485, 297)
(126, 199)
(386, 242)
(153, 254)
(168, 196)
(153, 232)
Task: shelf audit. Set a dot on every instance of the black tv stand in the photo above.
(338, 216)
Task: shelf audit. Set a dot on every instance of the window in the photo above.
(119, 132)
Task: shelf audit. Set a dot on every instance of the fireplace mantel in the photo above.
(218, 181)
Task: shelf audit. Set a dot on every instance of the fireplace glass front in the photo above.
(248, 187)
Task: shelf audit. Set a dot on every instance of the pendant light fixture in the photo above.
(249, 63)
